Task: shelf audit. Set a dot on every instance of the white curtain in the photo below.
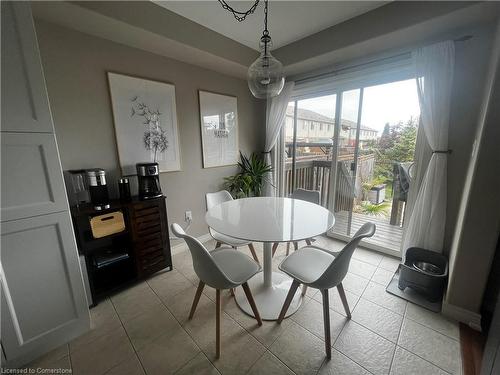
(434, 68)
(275, 118)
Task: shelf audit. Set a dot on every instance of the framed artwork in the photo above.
(219, 129)
(145, 119)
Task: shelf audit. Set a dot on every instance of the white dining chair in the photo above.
(312, 196)
(214, 199)
(221, 269)
(322, 269)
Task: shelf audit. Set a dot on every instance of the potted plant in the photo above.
(248, 182)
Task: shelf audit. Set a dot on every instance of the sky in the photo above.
(391, 102)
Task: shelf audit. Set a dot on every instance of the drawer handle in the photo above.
(107, 218)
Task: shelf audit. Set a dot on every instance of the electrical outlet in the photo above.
(188, 216)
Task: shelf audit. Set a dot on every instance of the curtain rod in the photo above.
(403, 54)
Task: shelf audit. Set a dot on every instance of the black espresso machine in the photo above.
(148, 178)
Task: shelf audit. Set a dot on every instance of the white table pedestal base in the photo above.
(269, 299)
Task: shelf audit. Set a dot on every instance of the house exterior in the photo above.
(313, 127)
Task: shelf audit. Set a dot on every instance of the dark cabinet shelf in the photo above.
(138, 251)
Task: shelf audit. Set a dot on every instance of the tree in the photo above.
(396, 145)
(386, 140)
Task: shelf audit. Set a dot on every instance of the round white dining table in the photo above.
(269, 220)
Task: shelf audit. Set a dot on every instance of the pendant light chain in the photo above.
(265, 34)
(265, 75)
(240, 16)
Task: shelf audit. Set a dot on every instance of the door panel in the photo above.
(29, 294)
(346, 185)
(32, 182)
(25, 106)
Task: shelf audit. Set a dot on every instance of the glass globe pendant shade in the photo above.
(265, 75)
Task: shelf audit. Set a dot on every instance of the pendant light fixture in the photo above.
(265, 75)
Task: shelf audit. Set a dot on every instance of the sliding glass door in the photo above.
(357, 147)
(309, 139)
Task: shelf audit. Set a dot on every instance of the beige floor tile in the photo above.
(103, 320)
(406, 363)
(265, 334)
(378, 319)
(234, 340)
(239, 350)
(50, 358)
(180, 306)
(361, 268)
(433, 320)
(62, 363)
(199, 365)
(341, 365)
(354, 283)
(335, 301)
(268, 364)
(367, 256)
(382, 277)
(168, 284)
(102, 354)
(182, 260)
(376, 293)
(310, 316)
(168, 353)
(135, 301)
(366, 348)
(131, 366)
(148, 326)
(202, 327)
(300, 350)
(430, 345)
(389, 263)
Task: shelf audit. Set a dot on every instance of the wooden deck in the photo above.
(387, 236)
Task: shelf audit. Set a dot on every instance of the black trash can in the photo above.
(424, 271)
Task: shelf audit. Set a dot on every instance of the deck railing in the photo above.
(313, 173)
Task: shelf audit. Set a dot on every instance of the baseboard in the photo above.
(182, 246)
(467, 317)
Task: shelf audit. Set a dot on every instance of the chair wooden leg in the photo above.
(275, 247)
(218, 244)
(340, 288)
(287, 248)
(304, 290)
(295, 246)
(197, 296)
(308, 242)
(251, 301)
(254, 254)
(288, 300)
(217, 324)
(326, 322)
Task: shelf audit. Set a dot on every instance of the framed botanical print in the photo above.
(145, 119)
(219, 129)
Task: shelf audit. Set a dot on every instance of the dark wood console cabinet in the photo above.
(116, 260)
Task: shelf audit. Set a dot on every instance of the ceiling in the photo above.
(288, 20)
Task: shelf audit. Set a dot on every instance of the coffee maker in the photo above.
(98, 188)
(148, 177)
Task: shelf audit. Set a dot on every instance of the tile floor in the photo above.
(145, 330)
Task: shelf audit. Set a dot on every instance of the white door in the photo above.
(43, 303)
(35, 184)
(25, 106)
(43, 300)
